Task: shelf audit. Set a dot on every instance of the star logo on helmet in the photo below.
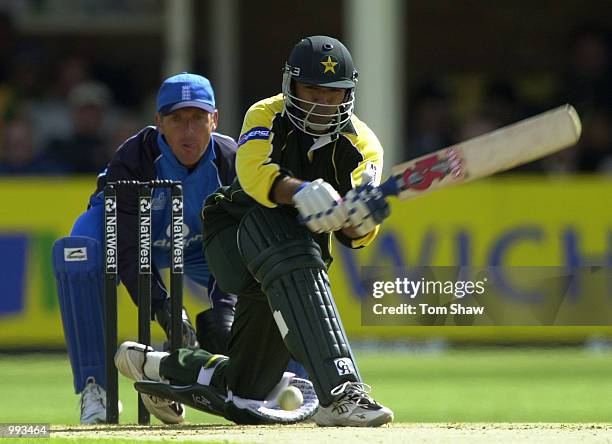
(329, 65)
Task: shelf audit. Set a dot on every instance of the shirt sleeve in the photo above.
(254, 168)
(372, 163)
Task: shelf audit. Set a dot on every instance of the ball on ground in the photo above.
(291, 398)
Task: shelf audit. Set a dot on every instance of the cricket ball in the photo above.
(290, 398)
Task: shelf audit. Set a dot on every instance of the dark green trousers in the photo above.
(258, 355)
(183, 366)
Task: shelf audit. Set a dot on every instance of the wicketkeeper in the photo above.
(184, 146)
(267, 239)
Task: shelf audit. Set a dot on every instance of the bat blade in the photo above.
(499, 150)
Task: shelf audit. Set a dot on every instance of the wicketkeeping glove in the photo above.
(366, 208)
(189, 338)
(320, 206)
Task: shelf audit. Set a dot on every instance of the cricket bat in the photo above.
(499, 150)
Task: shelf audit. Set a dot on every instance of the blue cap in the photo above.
(183, 90)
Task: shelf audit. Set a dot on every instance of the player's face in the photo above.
(187, 132)
(328, 98)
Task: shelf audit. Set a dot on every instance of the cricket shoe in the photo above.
(93, 403)
(140, 363)
(353, 407)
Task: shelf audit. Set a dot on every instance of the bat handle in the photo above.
(389, 187)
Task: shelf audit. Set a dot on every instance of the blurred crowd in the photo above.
(61, 118)
(586, 83)
(57, 116)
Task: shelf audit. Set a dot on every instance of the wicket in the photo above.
(111, 266)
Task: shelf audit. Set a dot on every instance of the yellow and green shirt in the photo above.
(270, 147)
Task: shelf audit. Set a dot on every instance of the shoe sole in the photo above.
(100, 419)
(382, 420)
(375, 422)
(166, 419)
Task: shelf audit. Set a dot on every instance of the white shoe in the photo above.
(353, 407)
(139, 362)
(93, 403)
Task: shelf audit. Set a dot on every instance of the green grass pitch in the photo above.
(561, 385)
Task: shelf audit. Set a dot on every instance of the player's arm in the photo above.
(365, 207)
(284, 189)
(254, 167)
(318, 203)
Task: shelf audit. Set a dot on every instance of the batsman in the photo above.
(267, 238)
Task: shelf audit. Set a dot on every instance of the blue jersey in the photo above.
(147, 156)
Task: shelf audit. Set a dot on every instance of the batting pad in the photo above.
(249, 411)
(77, 263)
(284, 258)
(234, 408)
(198, 396)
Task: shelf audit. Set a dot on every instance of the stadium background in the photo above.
(78, 77)
(455, 72)
(565, 222)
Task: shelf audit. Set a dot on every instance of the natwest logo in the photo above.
(177, 204)
(145, 204)
(111, 204)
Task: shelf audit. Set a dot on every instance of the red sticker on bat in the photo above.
(432, 168)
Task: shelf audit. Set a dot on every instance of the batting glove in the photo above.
(320, 206)
(366, 208)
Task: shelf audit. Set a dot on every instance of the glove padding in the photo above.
(366, 208)
(320, 207)
(162, 315)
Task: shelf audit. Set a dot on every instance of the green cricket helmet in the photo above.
(322, 61)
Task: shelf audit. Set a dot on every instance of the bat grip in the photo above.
(389, 187)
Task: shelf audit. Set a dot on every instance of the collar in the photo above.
(348, 128)
(320, 142)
